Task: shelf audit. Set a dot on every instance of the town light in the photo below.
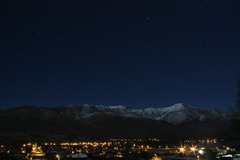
(182, 149)
(200, 151)
(193, 149)
(58, 156)
(198, 157)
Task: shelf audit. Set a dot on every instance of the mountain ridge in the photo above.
(175, 114)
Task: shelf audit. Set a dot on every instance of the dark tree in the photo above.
(236, 114)
(238, 94)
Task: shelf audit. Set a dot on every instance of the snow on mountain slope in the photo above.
(175, 114)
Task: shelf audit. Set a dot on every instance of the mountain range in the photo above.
(179, 120)
(175, 114)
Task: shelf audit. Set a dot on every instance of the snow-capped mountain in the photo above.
(176, 121)
(175, 114)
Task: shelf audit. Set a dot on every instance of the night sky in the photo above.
(136, 53)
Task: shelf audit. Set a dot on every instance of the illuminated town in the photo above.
(127, 149)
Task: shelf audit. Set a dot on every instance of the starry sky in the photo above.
(136, 53)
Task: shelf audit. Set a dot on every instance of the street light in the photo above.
(182, 149)
(58, 156)
(201, 151)
(193, 149)
(198, 157)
